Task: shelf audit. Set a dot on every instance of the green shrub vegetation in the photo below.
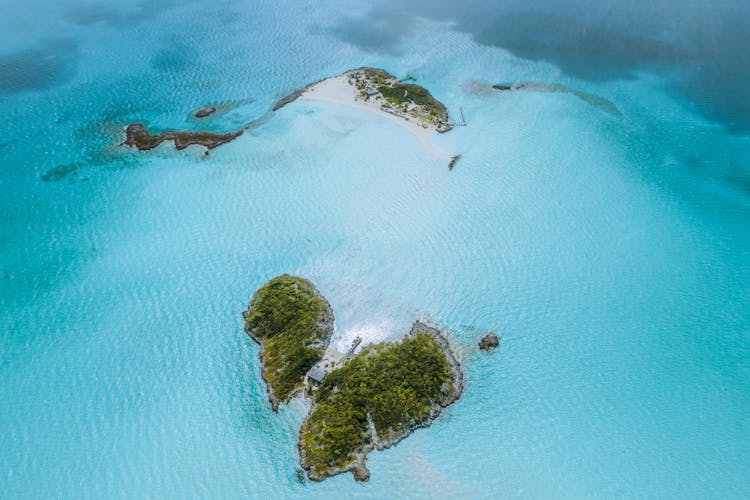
(294, 323)
(405, 93)
(393, 386)
(378, 76)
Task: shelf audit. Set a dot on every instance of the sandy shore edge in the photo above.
(337, 89)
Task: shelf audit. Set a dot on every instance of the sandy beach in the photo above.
(338, 89)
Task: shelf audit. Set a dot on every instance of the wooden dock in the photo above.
(463, 119)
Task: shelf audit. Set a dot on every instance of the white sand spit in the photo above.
(338, 89)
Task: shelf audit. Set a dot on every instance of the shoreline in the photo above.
(370, 89)
(337, 89)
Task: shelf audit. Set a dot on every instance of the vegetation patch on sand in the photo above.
(381, 90)
(407, 100)
(376, 399)
(293, 323)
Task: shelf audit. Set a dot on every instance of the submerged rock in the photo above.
(60, 172)
(489, 342)
(594, 100)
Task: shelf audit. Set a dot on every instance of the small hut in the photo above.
(316, 375)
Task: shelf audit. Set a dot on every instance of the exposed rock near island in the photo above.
(293, 96)
(453, 162)
(136, 136)
(204, 112)
(293, 324)
(489, 342)
(377, 399)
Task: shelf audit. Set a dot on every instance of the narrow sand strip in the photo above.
(338, 89)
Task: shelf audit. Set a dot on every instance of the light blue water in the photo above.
(611, 254)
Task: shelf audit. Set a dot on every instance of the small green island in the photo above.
(378, 89)
(293, 324)
(376, 399)
(358, 403)
(399, 97)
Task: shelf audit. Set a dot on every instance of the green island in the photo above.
(358, 403)
(293, 324)
(376, 399)
(381, 90)
(407, 100)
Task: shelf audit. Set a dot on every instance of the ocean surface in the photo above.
(603, 233)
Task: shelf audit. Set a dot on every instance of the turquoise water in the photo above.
(610, 252)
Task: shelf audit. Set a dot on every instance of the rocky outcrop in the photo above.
(293, 96)
(453, 162)
(204, 112)
(136, 136)
(489, 342)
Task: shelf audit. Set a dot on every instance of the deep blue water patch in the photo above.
(700, 46)
(175, 58)
(45, 66)
(118, 15)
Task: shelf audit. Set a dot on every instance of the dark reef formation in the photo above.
(453, 162)
(594, 100)
(136, 136)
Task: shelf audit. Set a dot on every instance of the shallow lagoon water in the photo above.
(610, 253)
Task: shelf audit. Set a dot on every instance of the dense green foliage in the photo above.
(396, 385)
(294, 323)
(401, 93)
(378, 76)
